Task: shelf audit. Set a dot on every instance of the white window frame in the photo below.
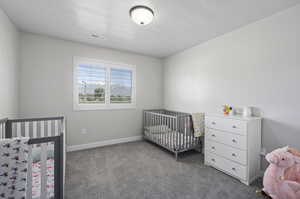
(108, 65)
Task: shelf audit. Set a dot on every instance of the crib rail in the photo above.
(35, 127)
(160, 126)
(42, 132)
(2, 128)
(167, 112)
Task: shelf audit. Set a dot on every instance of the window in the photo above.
(91, 82)
(103, 85)
(120, 86)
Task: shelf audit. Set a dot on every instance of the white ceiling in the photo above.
(178, 24)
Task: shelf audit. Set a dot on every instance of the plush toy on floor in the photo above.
(282, 177)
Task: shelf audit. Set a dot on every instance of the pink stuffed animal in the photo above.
(293, 173)
(276, 185)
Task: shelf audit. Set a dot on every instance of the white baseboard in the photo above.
(103, 143)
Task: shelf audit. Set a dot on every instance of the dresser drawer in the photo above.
(234, 140)
(228, 152)
(226, 124)
(228, 166)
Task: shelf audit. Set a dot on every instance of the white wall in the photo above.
(9, 66)
(257, 65)
(47, 88)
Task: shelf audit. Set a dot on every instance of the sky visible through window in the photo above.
(96, 75)
(121, 86)
(121, 77)
(91, 83)
(91, 80)
(88, 74)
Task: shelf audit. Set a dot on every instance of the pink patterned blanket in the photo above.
(36, 179)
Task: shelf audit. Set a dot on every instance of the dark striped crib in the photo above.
(43, 133)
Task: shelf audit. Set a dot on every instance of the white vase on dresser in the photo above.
(233, 144)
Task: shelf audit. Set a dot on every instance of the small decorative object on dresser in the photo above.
(227, 110)
(247, 111)
(232, 145)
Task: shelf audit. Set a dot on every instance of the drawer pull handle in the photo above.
(213, 123)
(233, 140)
(233, 154)
(213, 160)
(234, 126)
(233, 169)
(213, 135)
(213, 147)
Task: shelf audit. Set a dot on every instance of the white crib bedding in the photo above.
(172, 139)
(158, 128)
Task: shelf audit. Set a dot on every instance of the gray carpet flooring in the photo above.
(141, 170)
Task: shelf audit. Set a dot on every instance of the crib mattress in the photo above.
(172, 139)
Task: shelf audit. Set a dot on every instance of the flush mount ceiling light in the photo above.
(141, 15)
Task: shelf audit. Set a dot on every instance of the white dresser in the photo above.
(232, 145)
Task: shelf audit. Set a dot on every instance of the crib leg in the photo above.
(176, 156)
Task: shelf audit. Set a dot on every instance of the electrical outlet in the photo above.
(83, 131)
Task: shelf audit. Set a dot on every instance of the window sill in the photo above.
(103, 107)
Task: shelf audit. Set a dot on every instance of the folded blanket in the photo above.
(198, 124)
(13, 167)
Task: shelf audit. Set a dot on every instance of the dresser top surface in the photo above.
(235, 117)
